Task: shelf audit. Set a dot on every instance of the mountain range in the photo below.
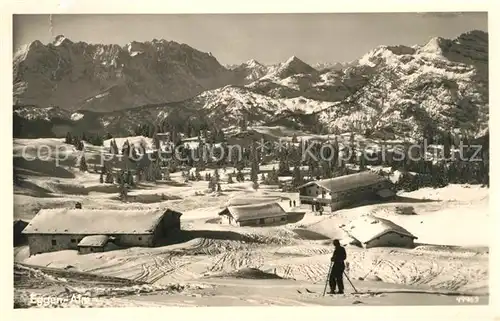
(398, 90)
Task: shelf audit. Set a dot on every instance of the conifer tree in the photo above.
(273, 177)
(109, 178)
(239, 176)
(352, 148)
(362, 157)
(83, 164)
(254, 169)
(447, 145)
(296, 177)
(130, 178)
(216, 175)
(138, 175)
(69, 138)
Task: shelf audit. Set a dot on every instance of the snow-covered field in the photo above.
(276, 264)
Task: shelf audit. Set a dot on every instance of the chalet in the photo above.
(62, 229)
(344, 190)
(370, 231)
(262, 214)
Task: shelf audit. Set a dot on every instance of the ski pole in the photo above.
(350, 282)
(328, 278)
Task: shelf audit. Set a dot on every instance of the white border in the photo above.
(7, 8)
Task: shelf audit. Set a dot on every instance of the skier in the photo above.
(336, 274)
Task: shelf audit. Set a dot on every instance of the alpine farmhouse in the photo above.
(63, 229)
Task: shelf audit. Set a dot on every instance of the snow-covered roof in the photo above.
(254, 211)
(95, 221)
(369, 227)
(238, 201)
(347, 182)
(94, 240)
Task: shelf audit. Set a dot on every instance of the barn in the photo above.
(263, 214)
(345, 190)
(63, 229)
(371, 231)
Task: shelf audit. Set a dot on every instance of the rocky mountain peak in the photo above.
(104, 77)
(293, 66)
(61, 40)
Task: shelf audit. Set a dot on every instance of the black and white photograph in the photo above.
(250, 159)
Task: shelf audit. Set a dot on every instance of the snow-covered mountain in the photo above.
(321, 66)
(436, 86)
(110, 77)
(251, 70)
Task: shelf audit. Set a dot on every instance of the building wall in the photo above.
(41, 243)
(19, 238)
(308, 195)
(311, 191)
(228, 220)
(90, 249)
(171, 221)
(265, 221)
(391, 239)
(141, 240)
(341, 199)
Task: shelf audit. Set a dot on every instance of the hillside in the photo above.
(396, 90)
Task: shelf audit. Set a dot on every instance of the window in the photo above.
(73, 240)
(54, 242)
(317, 192)
(140, 238)
(91, 249)
(283, 219)
(261, 221)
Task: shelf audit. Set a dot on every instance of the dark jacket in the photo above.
(339, 255)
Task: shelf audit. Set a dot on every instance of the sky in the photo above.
(267, 38)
